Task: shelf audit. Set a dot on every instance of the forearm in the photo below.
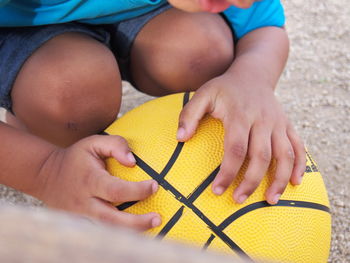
(21, 158)
(260, 57)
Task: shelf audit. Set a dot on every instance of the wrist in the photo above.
(22, 157)
(249, 81)
(47, 172)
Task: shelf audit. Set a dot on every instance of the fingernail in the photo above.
(276, 198)
(242, 198)
(219, 190)
(131, 157)
(156, 221)
(300, 178)
(154, 187)
(180, 133)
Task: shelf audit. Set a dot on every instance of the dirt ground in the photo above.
(315, 90)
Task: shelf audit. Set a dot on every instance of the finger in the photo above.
(300, 156)
(116, 190)
(259, 160)
(284, 155)
(111, 146)
(107, 213)
(191, 114)
(235, 150)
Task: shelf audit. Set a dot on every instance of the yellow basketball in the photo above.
(297, 229)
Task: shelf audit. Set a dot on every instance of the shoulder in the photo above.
(260, 14)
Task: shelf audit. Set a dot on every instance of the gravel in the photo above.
(315, 91)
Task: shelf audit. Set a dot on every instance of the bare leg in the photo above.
(178, 51)
(68, 89)
(11, 120)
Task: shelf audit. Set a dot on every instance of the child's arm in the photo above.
(254, 121)
(74, 179)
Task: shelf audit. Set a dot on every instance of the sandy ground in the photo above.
(315, 90)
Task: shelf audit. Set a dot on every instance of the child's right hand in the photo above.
(76, 180)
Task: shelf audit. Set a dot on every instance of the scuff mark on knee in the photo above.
(72, 126)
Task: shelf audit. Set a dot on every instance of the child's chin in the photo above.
(213, 6)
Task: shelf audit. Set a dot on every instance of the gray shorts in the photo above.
(18, 44)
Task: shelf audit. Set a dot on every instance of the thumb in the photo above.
(106, 146)
(191, 114)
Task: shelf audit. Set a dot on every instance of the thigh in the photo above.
(18, 44)
(67, 89)
(178, 51)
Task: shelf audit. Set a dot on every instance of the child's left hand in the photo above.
(255, 125)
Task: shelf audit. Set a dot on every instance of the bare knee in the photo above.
(68, 89)
(194, 49)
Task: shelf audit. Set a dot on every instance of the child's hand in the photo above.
(255, 125)
(76, 180)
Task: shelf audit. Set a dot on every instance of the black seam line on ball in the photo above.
(210, 239)
(313, 165)
(168, 187)
(186, 99)
(162, 174)
(200, 189)
(263, 204)
(172, 159)
(308, 169)
(179, 146)
(169, 225)
(281, 203)
(191, 198)
(125, 205)
(171, 162)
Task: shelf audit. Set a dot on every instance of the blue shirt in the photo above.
(43, 12)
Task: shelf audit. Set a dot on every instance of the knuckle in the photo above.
(144, 189)
(287, 154)
(301, 160)
(93, 137)
(183, 119)
(226, 178)
(77, 202)
(252, 180)
(203, 90)
(264, 117)
(113, 193)
(301, 149)
(299, 143)
(105, 217)
(87, 180)
(90, 139)
(297, 138)
(281, 182)
(119, 140)
(238, 150)
(263, 155)
(279, 188)
(185, 112)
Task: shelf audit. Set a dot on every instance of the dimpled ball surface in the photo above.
(297, 229)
